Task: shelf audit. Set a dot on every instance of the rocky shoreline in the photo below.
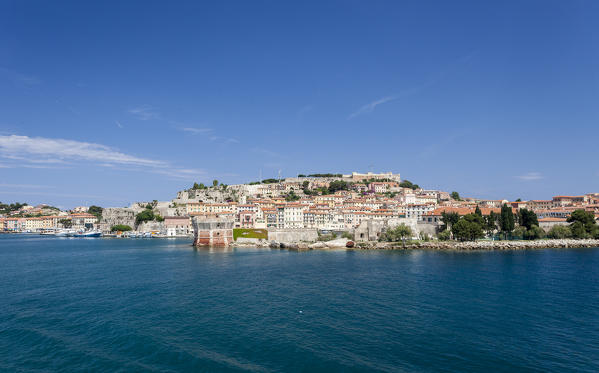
(431, 245)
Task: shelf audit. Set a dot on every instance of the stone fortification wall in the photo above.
(212, 232)
(293, 235)
(152, 226)
(370, 230)
(116, 215)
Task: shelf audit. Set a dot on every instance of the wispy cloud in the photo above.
(144, 112)
(266, 152)
(118, 124)
(371, 106)
(304, 110)
(226, 140)
(37, 148)
(35, 152)
(531, 176)
(19, 78)
(26, 186)
(429, 82)
(195, 130)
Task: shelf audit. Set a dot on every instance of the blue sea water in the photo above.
(160, 305)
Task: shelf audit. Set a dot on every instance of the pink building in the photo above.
(177, 225)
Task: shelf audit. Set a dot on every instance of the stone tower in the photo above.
(212, 231)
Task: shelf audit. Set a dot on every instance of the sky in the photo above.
(113, 102)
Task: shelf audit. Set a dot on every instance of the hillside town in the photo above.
(361, 205)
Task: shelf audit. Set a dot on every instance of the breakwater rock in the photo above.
(431, 245)
(482, 245)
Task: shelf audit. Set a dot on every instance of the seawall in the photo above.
(483, 245)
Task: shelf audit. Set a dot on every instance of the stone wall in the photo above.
(116, 215)
(212, 232)
(293, 235)
(370, 230)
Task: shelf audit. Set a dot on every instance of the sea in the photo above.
(159, 305)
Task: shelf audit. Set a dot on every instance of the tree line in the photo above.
(524, 224)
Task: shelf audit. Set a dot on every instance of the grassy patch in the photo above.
(250, 233)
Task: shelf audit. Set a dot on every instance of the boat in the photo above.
(65, 233)
(88, 234)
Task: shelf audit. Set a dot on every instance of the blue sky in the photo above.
(112, 102)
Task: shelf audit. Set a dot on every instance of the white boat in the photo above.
(88, 234)
(65, 233)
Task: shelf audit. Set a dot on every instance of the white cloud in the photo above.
(531, 176)
(144, 112)
(371, 106)
(195, 131)
(266, 152)
(182, 173)
(118, 124)
(34, 152)
(19, 78)
(36, 149)
(27, 186)
(226, 140)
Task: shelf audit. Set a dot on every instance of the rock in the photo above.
(317, 245)
(302, 246)
(340, 242)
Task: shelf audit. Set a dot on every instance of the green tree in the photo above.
(291, 196)
(468, 228)
(534, 233)
(583, 224)
(455, 195)
(559, 232)
(399, 233)
(449, 219)
(491, 223)
(444, 235)
(477, 211)
(143, 216)
(214, 182)
(66, 223)
(519, 232)
(338, 185)
(409, 184)
(519, 200)
(528, 218)
(96, 211)
(120, 228)
(506, 220)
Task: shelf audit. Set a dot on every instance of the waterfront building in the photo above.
(177, 226)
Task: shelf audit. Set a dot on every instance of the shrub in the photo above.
(121, 228)
(347, 235)
(444, 235)
(559, 232)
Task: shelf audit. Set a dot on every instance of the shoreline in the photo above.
(432, 245)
